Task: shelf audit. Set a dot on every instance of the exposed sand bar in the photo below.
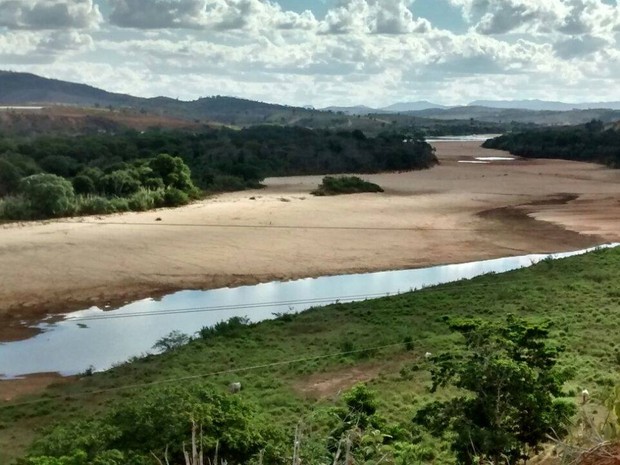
(455, 212)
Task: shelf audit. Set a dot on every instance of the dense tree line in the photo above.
(129, 164)
(590, 142)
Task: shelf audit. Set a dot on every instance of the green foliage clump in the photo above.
(589, 143)
(142, 200)
(233, 327)
(48, 195)
(172, 341)
(174, 197)
(159, 423)
(83, 185)
(335, 185)
(10, 176)
(120, 183)
(509, 372)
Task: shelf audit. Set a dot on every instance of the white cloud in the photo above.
(373, 16)
(41, 47)
(543, 17)
(374, 52)
(49, 14)
(206, 14)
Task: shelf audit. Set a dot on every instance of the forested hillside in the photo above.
(104, 173)
(590, 143)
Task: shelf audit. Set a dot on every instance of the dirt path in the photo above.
(455, 212)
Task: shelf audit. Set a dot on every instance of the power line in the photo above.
(293, 227)
(289, 303)
(439, 287)
(203, 375)
(217, 308)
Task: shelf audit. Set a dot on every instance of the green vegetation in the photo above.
(575, 301)
(345, 185)
(509, 372)
(142, 185)
(113, 173)
(590, 143)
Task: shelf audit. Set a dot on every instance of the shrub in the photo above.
(16, 208)
(141, 201)
(83, 185)
(173, 171)
(159, 199)
(231, 328)
(120, 183)
(94, 205)
(119, 204)
(153, 183)
(174, 197)
(172, 341)
(226, 183)
(345, 185)
(49, 195)
(10, 176)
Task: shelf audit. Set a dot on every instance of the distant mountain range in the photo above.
(542, 105)
(531, 105)
(19, 89)
(402, 107)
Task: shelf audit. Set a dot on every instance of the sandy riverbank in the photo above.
(455, 212)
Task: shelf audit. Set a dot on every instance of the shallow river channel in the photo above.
(100, 338)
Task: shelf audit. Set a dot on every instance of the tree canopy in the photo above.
(590, 142)
(510, 382)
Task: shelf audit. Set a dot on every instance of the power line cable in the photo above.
(442, 287)
(293, 227)
(201, 376)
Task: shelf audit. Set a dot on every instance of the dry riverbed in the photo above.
(455, 212)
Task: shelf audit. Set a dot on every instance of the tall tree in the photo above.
(511, 381)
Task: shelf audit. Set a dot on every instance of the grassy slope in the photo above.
(580, 295)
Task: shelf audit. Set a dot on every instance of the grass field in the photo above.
(580, 296)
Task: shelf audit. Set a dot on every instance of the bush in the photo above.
(345, 185)
(10, 176)
(174, 197)
(94, 205)
(16, 208)
(173, 171)
(172, 341)
(153, 183)
(119, 204)
(83, 185)
(142, 200)
(234, 327)
(227, 184)
(49, 195)
(120, 183)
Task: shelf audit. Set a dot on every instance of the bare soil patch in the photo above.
(11, 390)
(455, 212)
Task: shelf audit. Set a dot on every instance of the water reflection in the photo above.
(98, 338)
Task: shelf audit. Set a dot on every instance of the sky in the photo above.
(322, 52)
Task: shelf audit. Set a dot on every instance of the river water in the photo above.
(100, 338)
(468, 138)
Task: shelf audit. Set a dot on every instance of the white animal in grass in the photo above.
(233, 388)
